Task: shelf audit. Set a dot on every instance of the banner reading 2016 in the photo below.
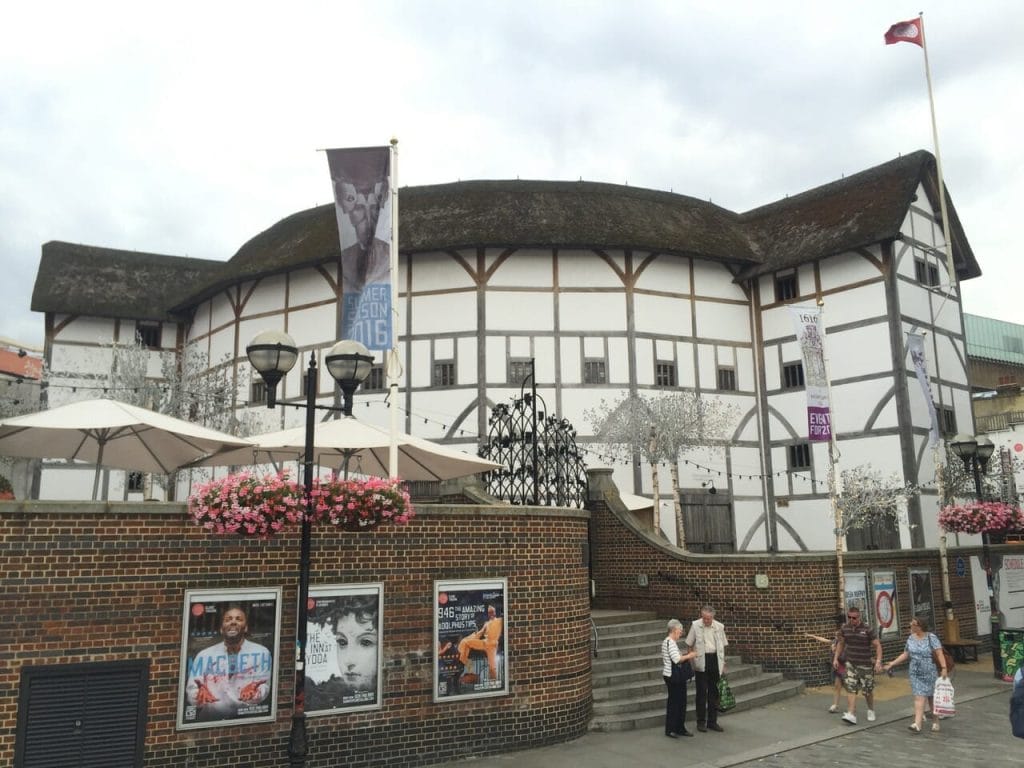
(470, 626)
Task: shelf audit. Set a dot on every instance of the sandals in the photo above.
(914, 727)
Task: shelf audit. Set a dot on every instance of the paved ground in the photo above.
(799, 732)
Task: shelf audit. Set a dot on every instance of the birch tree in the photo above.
(660, 429)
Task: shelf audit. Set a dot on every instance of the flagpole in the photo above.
(834, 480)
(394, 366)
(938, 162)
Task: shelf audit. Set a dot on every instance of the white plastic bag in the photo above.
(942, 698)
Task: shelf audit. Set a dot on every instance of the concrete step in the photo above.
(653, 715)
(630, 682)
(605, 616)
(653, 695)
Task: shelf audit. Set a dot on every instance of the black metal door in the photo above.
(82, 715)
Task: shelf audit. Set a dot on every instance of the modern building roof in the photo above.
(854, 212)
(996, 340)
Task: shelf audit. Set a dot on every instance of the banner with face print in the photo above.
(343, 648)
(361, 179)
(915, 345)
(471, 633)
(229, 657)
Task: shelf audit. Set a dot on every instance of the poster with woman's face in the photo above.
(471, 632)
(343, 648)
(229, 657)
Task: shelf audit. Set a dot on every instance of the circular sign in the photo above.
(1018, 447)
(883, 609)
(961, 567)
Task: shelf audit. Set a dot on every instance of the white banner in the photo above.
(915, 345)
(361, 179)
(811, 338)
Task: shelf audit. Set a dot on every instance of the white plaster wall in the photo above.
(853, 404)
(777, 325)
(441, 271)
(664, 315)
(200, 321)
(94, 330)
(858, 351)
(444, 313)
(221, 311)
(950, 359)
(420, 370)
(527, 266)
(725, 322)
(222, 342)
(686, 371)
(269, 293)
(855, 304)
(665, 273)
(585, 269)
(571, 359)
(713, 280)
(591, 312)
(844, 269)
(645, 358)
(618, 360)
(520, 311)
(707, 371)
(496, 367)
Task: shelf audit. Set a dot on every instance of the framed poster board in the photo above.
(883, 586)
(228, 666)
(1008, 573)
(857, 594)
(471, 631)
(921, 603)
(343, 641)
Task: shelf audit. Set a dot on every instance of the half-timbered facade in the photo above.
(609, 289)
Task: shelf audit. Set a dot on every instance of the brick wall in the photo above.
(767, 625)
(90, 582)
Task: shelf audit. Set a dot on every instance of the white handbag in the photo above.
(942, 698)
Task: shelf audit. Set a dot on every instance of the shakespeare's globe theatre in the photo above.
(612, 290)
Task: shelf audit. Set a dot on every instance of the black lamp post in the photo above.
(975, 452)
(273, 354)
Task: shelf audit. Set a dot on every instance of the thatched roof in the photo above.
(104, 282)
(854, 212)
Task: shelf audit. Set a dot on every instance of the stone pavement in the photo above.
(800, 732)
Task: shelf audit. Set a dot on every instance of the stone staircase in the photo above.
(628, 689)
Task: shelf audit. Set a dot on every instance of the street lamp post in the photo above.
(273, 354)
(975, 453)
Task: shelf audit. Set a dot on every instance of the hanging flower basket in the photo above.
(250, 505)
(980, 517)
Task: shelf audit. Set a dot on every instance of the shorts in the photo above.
(859, 679)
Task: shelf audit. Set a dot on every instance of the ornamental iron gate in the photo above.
(541, 463)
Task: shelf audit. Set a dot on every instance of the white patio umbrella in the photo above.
(356, 446)
(109, 433)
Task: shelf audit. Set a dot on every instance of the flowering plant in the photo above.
(358, 504)
(262, 506)
(980, 517)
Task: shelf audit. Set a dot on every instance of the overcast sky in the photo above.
(188, 132)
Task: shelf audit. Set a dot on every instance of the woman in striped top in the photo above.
(675, 707)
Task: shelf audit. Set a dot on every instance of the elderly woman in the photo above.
(675, 707)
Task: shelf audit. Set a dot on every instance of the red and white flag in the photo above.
(905, 32)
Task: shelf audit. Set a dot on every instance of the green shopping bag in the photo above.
(726, 699)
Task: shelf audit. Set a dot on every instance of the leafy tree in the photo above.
(660, 429)
(868, 498)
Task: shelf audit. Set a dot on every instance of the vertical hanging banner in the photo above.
(915, 345)
(361, 179)
(810, 337)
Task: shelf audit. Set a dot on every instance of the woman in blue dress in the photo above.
(926, 663)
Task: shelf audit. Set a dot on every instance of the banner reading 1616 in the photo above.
(470, 626)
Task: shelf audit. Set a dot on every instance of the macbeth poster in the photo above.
(229, 657)
(470, 626)
(343, 648)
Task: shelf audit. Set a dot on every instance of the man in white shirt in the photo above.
(707, 638)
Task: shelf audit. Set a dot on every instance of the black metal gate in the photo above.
(541, 462)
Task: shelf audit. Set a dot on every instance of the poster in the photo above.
(982, 604)
(1008, 572)
(857, 595)
(884, 588)
(229, 652)
(343, 640)
(921, 603)
(470, 626)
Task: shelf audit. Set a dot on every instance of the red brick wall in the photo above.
(766, 626)
(96, 582)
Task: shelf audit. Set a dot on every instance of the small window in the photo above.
(947, 420)
(786, 287)
(664, 374)
(136, 482)
(926, 274)
(727, 379)
(594, 372)
(519, 371)
(792, 375)
(444, 374)
(258, 392)
(148, 334)
(375, 382)
(799, 456)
